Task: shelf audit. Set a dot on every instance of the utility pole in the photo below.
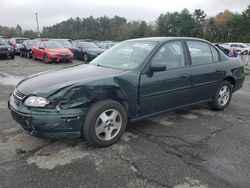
(37, 25)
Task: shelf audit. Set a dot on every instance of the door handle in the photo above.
(185, 75)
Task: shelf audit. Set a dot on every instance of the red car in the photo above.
(52, 52)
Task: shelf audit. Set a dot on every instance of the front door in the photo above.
(160, 91)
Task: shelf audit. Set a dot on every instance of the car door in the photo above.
(206, 70)
(169, 89)
(79, 50)
(40, 51)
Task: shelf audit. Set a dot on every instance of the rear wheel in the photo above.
(222, 97)
(29, 55)
(105, 123)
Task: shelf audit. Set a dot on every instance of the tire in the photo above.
(115, 117)
(21, 54)
(45, 59)
(222, 97)
(29, 55)
(12, 56)
(85, 58)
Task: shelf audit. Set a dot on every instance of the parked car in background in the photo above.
(239, 47)
(17, 43)
(42, 39)
(6, 50)
(64, 42)
(133, 80)
(26, 49)
(106, 44)
(52, 52)
(86, 50)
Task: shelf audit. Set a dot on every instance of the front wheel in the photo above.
(222, 97)
(85, 58)
(105, 123)
(45, 59)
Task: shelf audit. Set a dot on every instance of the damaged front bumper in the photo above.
(49, 123)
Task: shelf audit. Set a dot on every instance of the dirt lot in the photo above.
(188, 148)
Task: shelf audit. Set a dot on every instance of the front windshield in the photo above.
(53, 45)
(20, 41)
(126, 55)
(32, 42)
(63, 42)
(88, 45)
(244, 46)
(3, 42)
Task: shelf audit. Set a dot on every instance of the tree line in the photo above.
(225, 26)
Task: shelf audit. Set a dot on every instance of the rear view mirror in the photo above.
(157, 67)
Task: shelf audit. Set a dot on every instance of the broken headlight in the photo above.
(34, 101)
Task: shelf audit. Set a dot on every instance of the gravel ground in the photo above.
(189, 148)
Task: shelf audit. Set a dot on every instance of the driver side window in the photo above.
(171, 54)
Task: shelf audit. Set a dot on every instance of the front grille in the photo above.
(3, 49)
(63, 55)
(18, 96)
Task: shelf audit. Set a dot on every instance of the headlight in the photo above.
(9, 48)
(34, 101)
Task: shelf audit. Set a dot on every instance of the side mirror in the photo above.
(157, 67)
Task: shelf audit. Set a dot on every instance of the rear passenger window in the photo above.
(215, 54)
(200, 52)
(171, 54)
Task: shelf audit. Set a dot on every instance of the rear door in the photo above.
(206, 69)
(160, 91)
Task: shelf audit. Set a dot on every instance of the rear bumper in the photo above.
(238, 83)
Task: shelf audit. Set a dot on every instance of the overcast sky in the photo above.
(22, 12)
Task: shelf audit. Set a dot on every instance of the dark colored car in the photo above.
(26, 49)
(52, 52)
(17, 43)
(86, 50)
(133, 80)
(6, 51)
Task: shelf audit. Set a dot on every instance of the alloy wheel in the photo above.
(224, 95)
(108, 124)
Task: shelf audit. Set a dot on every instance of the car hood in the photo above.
(4, 46)
(60, 51)
(46, 83)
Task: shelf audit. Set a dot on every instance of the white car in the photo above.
(239, 47)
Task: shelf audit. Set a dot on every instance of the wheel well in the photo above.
(119, 100)
(231, 80)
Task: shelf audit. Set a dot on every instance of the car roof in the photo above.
(164, 39)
